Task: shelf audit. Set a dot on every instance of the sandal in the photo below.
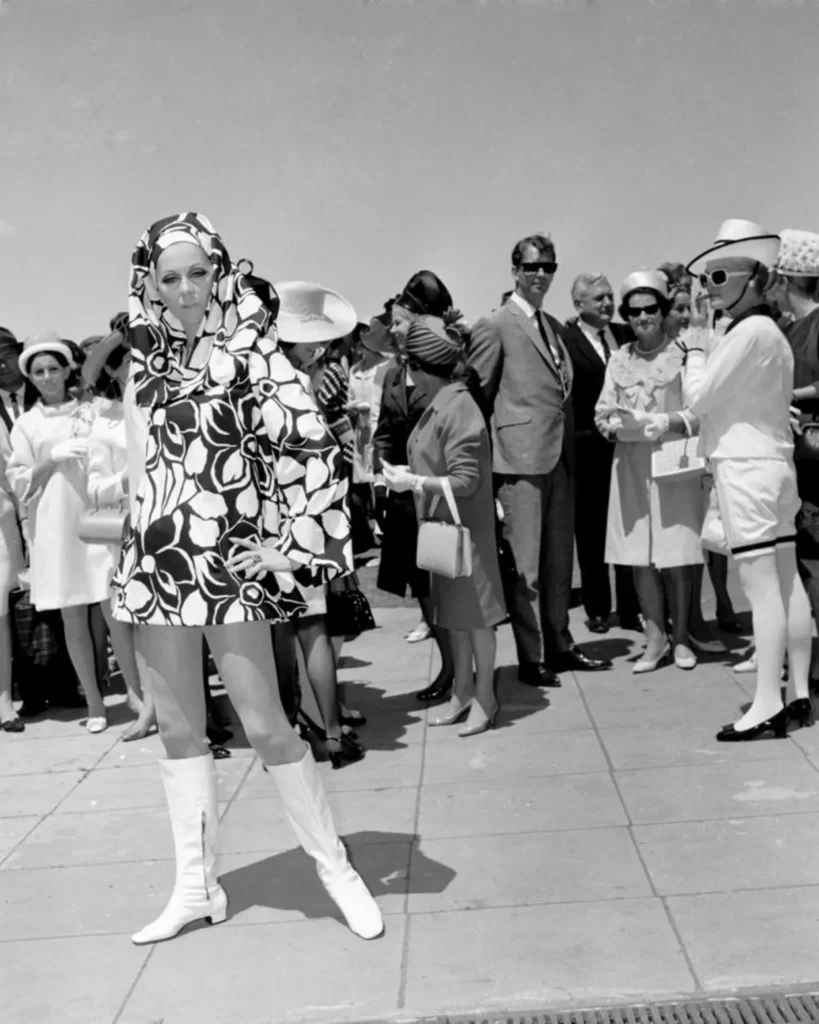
(343, 751)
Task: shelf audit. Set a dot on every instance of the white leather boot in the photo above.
(190, 789)
(305, 801)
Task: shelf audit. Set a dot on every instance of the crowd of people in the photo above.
(194, 486)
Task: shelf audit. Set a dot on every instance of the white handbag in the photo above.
(444, 548)
(677, 459)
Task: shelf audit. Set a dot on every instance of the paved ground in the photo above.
(599, 846)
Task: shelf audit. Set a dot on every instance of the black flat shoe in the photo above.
(538, 675)
(574, 660)
(597, 624)
(343, 751)
(441, 689)
(219, 753)
(14, 725)
(778, 725)
(800, 712)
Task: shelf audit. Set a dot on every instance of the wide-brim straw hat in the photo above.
(311, 314)
(99, 356)
(50, 341)
(736, 239)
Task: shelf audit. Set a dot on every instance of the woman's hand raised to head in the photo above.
(257, 560)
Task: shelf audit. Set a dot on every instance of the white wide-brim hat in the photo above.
(50, 341)
(311, 314)
(739, 238)
(653, 279)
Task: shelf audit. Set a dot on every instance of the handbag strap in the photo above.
(450, 500)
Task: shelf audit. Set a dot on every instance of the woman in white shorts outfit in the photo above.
(742, 396)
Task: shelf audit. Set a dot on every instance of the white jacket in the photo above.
(742, 393)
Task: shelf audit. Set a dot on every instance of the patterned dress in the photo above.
(235, 449)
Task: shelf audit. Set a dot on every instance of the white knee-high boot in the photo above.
(308, 811)
(190, 789)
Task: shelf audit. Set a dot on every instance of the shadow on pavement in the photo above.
(391, 863)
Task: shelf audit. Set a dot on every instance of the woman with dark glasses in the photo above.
(653, 525)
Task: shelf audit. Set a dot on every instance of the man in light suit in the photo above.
(526, 378)
(591, 338)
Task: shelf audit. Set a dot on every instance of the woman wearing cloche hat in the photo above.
(653, 526)
(742, 397)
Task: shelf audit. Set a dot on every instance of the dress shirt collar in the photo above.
(593, 333)
(527, 307)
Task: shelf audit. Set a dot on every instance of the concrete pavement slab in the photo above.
(257, 974)
(111, 789)
(688, 743)
(496, 807)
(14, 830)
(388, 815)
(53, 754)
(736, 789)
(23, 795)
(532, 756)
(528, 869)
(266, 888)
(750, 939)
(738, 853)
(378, 770)
(534, 957)
(95, 837)
(78, 980)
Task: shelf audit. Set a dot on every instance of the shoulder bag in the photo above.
(105, 525)
(677, 459)
(444, 548)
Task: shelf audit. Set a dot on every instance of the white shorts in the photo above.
(758, 501)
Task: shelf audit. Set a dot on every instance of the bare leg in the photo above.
(677, 584)
(98, 624)
(442, 639)
(284, 649)
(484, 648)
(463, 686)
(244, 657)
(81, 651)
(320, 662)
(759, 577)
(651, 595)
(697, 625)
(336, 642)
(797, 610)
(123, 640)
(718, 573)
(7, 712)
(173, 674)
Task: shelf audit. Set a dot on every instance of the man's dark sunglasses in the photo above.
(547, 266)
(634, 311)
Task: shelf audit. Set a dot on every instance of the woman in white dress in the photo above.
(109, 361)
(47, 472)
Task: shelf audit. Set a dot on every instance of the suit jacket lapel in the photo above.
(586, 349)
(529, 325)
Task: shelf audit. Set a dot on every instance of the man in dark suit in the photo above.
(590, 338)
(526, 378)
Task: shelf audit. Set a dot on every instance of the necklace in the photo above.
(649, 351)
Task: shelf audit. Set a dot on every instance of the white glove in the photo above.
(399, 478)
(74, 448)
(656, 425)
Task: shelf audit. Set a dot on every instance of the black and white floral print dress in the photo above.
(236, 449)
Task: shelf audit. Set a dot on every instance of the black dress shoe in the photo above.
(597, 624)
(778, 725)
(535, 674)
(800, 711)
(440, 689)
(574, 660)
(14, 725)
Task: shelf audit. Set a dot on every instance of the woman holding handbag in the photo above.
(450, 467)
(106, 370)
(653, 525)
(47, 471)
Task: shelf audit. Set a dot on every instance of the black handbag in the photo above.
(348, 610)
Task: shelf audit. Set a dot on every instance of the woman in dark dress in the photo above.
(402, 404)
(450, 460)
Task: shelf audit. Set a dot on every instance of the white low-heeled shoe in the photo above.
(685, 661)
(650, 664)
(98, 724)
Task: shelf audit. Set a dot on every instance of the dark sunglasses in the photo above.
(717, 278)
(634, 311)
(547, 266)
(413, 365)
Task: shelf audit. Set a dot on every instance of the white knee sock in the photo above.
(760, 581)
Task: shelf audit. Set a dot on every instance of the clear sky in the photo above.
(355, 142)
